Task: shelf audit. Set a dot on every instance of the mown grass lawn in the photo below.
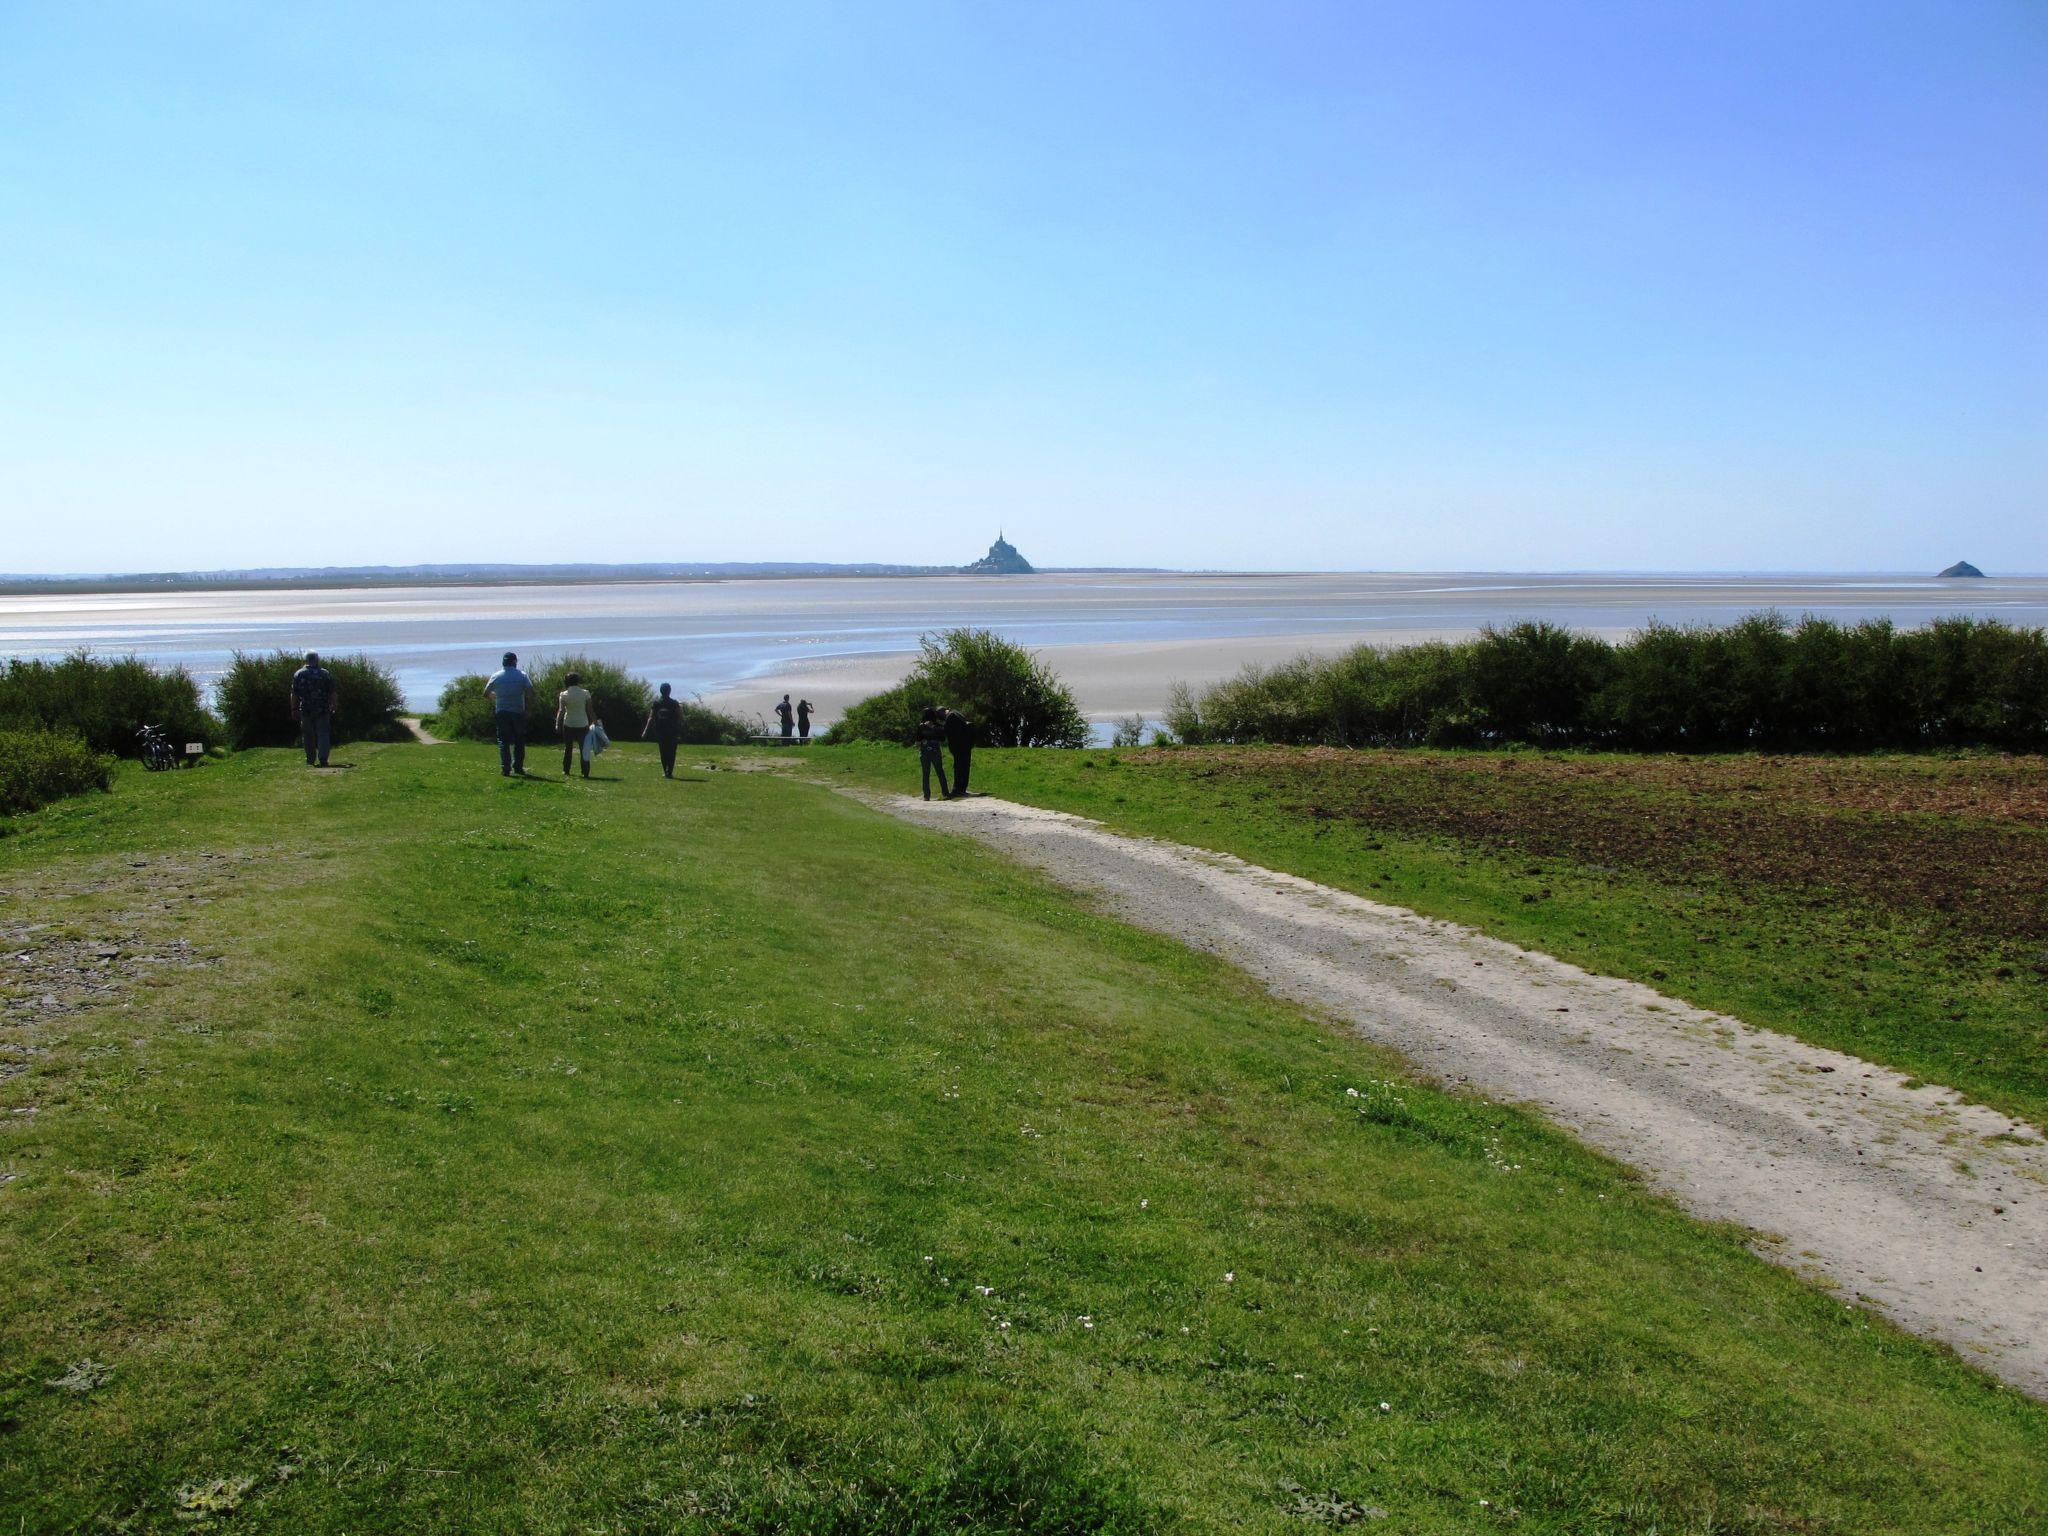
(720, 1155)
(1892, 906)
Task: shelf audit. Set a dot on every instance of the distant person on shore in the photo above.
(665, 720)
(786, 715)
(803, 719)
(511, 694)
(313, 700)
(959, 742)
(572, 719)
(931, 741)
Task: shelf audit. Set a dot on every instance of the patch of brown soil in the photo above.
(1965, 840)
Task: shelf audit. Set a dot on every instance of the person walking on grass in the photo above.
(931, 741)
(787, 716)
(665, 720)
(572, 719)
(803, 719)
(313, 699)
(511, 694)
(959, 742)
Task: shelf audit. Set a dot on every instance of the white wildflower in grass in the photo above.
(986, 1290)
(1144, 1205)
(1085, 1320)
(1230, 1277)
(927, 1258)
(1003, 1326)
(1386, 1407)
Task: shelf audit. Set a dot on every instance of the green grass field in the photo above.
(1893, 907)
(637, 1156)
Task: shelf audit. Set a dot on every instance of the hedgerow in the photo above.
(1762, 683)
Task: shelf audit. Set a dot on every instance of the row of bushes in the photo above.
(38, 766)
(1012, 697)
(1761, 683)
(102, 701)
(620, 700)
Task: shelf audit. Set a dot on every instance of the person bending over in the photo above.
(572, 719)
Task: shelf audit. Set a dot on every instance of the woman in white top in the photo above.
(572, 719)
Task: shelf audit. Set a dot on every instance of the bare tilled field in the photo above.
(1963, 840)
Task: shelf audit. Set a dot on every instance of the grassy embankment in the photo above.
(1896, 907)
(632, 1156)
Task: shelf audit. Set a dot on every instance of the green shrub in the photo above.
(1757, 684)
(38, 766)
(256, 697)
(103, 701)
(1012, 697)
(890, 715)
(464, 712)
(1533, 682)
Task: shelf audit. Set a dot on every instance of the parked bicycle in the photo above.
(157, 751)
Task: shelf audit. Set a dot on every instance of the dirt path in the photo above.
(419, 732)
(1932, 1209)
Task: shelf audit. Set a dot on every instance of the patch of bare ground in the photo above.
(1961, 840)
(81, 939)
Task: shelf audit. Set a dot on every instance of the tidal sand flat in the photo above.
(1123, 639)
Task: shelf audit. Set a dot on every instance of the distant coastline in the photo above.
(317, 578)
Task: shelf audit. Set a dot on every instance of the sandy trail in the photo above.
(1930, 1208)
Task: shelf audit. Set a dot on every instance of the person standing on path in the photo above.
(511, 693)
(572, 719)
(803, 719)
(665, 720)
(931, 740)
(959, 742)
(786, 715)
(313, 700)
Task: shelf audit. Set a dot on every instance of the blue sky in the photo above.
(1436, 285)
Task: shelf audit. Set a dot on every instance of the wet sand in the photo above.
(1110, 680)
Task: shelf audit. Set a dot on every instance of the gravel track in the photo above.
(1932, 1209)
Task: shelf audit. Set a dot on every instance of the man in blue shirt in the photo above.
(313, 697)
(511, 691)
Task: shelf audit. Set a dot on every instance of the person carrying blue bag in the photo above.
(572, 719)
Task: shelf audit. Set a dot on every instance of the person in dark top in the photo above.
(959, 742)
(786, 715)
(803, 719)
(931, 740)
(665, 720)
(313, 698)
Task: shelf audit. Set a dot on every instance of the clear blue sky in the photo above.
(1352, 285)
